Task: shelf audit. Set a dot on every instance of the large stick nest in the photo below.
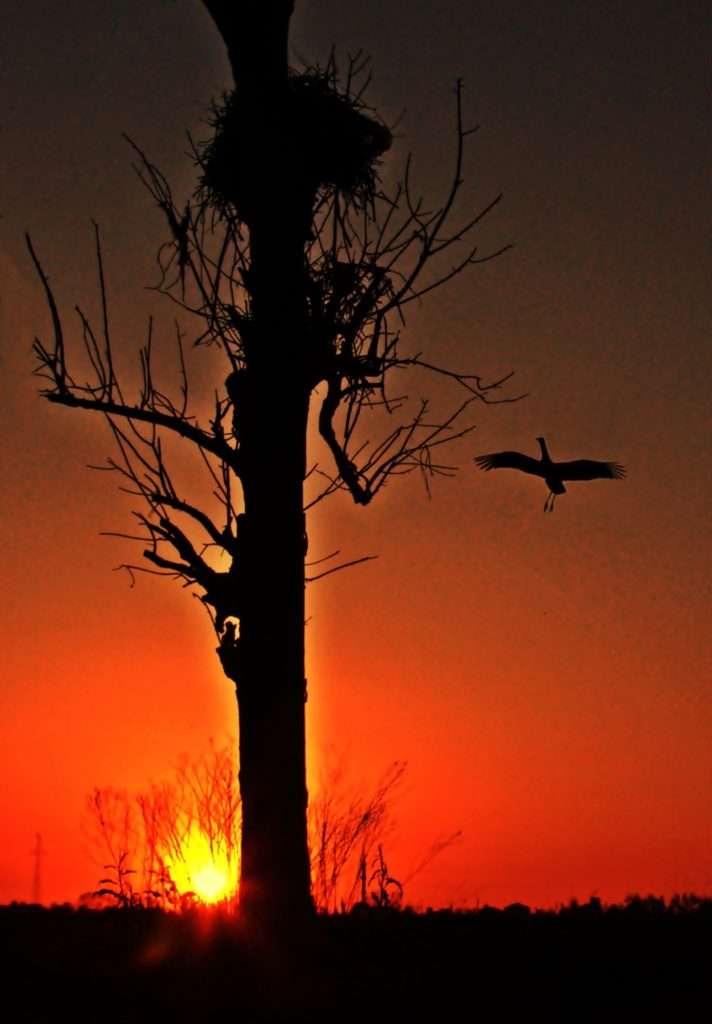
(329, 139)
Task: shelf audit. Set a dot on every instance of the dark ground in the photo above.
(645, 960)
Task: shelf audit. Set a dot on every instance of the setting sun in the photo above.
(210, 883)
(204, 869)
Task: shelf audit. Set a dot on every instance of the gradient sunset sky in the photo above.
(546, 677)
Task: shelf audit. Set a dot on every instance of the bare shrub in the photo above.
(146, 840)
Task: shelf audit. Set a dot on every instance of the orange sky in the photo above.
(546, 677)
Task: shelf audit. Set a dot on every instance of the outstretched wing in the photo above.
(587, 469)
(510, 460)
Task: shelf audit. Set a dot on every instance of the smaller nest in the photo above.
(330, 140)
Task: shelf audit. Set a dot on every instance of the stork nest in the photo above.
(329, 140)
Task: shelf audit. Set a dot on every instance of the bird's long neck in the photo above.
(544, 450)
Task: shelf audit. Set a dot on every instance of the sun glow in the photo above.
(204, 869)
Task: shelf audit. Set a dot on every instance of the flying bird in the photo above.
(553, 473)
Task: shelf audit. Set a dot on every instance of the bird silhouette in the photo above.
(553, 473)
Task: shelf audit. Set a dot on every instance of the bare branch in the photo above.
(55, 361)
(175, 567)
(111, 381)
(338, 568)
(101, 397)
(219, 538)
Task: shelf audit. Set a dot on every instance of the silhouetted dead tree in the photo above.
(299, 267)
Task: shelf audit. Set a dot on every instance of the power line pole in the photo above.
(38, 854)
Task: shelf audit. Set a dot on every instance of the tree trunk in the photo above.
(271, 403)
(275, 870)
(255, 33)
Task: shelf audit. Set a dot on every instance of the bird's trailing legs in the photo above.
(553, 473)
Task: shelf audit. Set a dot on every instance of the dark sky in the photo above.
(546, 677)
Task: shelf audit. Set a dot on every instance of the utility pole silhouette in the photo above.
(38, 854)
